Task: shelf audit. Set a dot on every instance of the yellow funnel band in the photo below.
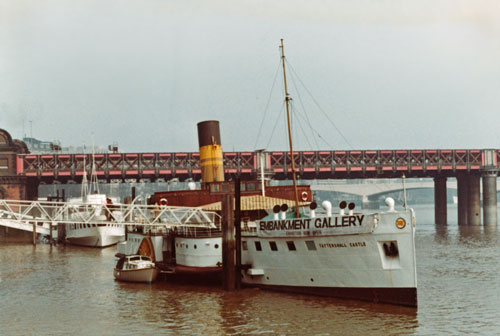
(212, 169)
(211, 155)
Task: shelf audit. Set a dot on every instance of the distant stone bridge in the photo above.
(368, 189)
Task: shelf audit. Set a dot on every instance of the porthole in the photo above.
(216, 246)
(195, 246)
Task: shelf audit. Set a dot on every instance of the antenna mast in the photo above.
(287, 100)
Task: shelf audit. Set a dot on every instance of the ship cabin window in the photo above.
(273, 246)
(244, 245)
(225, 188)
(258, 247)
(243, 187)
(214, 188)
(291, 246)
(251, 186)
(310, 245)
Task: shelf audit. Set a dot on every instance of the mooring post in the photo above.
(51, 236)
(34, 233)
(228, 275)
(440, 201)
(237, 223)
(474, 198)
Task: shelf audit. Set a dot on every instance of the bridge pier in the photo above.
(474, 199)
(463, 202)
(440, 200)
(490, 214)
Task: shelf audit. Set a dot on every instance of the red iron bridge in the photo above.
(470, 167)
(352, 164)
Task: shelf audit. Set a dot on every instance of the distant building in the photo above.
(36, 146)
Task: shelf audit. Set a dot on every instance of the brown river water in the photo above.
(68, 290)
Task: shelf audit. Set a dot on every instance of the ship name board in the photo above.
(320, 226)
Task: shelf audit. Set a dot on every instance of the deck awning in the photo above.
(256, 202)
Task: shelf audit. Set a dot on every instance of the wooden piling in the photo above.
(51, 235)
(228, 270)
(34, 233)
(237, 223)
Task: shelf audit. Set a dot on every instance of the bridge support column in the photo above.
(440, 206)
(490, 198)
(463, 201)
(474, 200)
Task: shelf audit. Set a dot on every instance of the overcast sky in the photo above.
(364, 74)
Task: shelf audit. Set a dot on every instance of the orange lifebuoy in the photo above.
(304, 195)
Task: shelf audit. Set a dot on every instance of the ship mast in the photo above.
(287, 100)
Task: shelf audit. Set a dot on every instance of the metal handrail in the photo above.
(119, 214)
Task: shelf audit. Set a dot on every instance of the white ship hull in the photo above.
(199, 254)
(356, 266)
(94, 236)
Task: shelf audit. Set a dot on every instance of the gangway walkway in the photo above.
(41, 215)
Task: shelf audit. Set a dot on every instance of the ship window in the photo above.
(216, 246)
(214, 188)
(242, 186)
(291, 246)
(310, 245)
(195, 246)
(244, 245)
(258, 247)
(225, 188)
(273, 246)
(251, 187)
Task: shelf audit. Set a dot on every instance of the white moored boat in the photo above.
(93, 216)
(95, 224)
(135, 268)
(369, 257)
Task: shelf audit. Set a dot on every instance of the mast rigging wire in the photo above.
(267, 105)
(317, 104)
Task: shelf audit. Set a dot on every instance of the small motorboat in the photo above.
(135, 268)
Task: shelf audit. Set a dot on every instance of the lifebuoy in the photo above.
(304, 195)
(163, 202)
